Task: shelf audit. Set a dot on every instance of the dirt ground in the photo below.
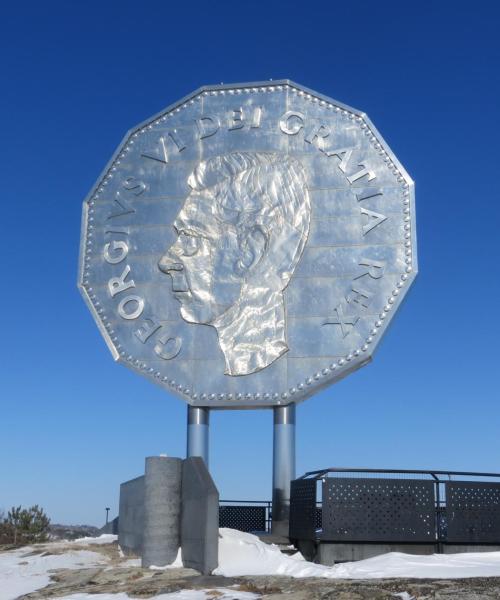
(144, 583)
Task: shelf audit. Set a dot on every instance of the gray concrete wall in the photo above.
(162, 510)
(460, 548)
(131, 516)
(176, 502)
(200, 517)
(331, 553)
(328, 553)
(110, 527)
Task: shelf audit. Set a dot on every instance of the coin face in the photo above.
(248, 245)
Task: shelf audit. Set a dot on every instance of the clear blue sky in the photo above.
(76, 76)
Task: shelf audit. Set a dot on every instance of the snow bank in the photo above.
(105, 538)
(21, 574)
(225, 594)
(434, 566)
(244, 554)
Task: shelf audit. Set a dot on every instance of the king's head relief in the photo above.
(240, 235)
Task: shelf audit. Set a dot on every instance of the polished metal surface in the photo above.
(198, 416)
(248, 245)
(198, 432)
(284, 415)
(240, 234)
(283, 465)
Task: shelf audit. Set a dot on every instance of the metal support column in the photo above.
(198, 425)
(283, 466)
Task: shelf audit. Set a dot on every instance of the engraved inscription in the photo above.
(116, 285)
(249, 245)
(374, 219)
(319, 133)
(343, 320)
(160, 153)
(360, 296)
(207, 126)
(363, 172)
(147, 329)
(134, 185)
(123, 207)
(236, 119)
(292, 122)
(115, 251)
(131, 307)
(358, 299)
(343, 154)
(168, 347)
(375, 268)
(256, 118)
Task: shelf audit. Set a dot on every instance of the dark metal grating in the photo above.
(319, 517)
(243, 518)
(473, 512)
(303, 511)
(378, 510)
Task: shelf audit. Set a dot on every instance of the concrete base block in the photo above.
(331, 553)
(175, 503)
(131, 516)
(200, 517)
(162, 510)
(460, 548)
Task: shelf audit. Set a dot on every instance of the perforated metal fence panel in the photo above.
(473, 512)
(243, 518)
(378, 510)
(319, 517)
(303, 510)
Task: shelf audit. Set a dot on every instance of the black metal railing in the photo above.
(398, 506)
(251, 516)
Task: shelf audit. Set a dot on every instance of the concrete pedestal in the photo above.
(131, 516)
(162, 510)
(200, 517)
(330, 553)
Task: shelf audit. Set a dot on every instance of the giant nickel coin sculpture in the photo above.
(248, 245)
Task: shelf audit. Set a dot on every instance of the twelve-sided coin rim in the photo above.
(328, 374)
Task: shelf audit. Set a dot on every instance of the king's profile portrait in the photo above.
(240, 234)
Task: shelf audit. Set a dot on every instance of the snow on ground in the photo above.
(175, 565)
(244, 554)
(105, 538)
(225, 594)
(21, 573)
(434, 566)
